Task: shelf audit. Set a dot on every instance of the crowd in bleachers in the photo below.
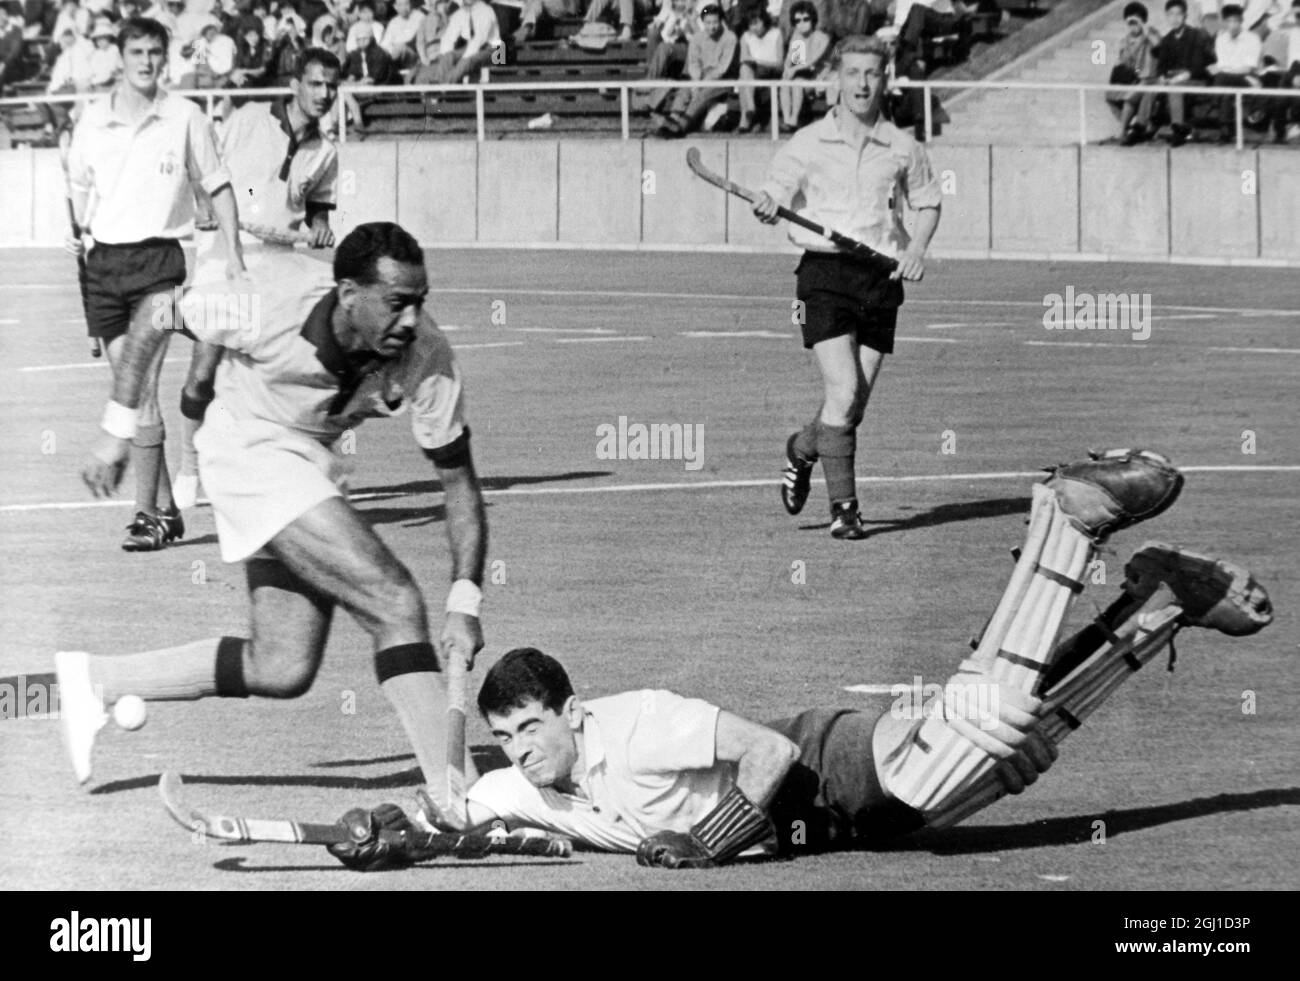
(254, 43)
(1234, 46)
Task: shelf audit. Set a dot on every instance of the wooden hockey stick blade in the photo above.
(696, 163)
(423, 845)
(276, 236)
(246, 830)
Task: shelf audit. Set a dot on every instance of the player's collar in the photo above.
(880, 134)
(318, 331)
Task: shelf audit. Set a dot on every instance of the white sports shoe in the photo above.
(81, 709)
(185, 490)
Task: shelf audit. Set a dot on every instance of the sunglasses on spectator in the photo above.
(803, 19)
(1134, 22)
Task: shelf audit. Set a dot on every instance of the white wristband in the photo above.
(118, 420)
(464, 597)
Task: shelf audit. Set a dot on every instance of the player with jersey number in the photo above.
(850, 171)
(134, 158)
(317, 355)
(683, 783)
(285, 175)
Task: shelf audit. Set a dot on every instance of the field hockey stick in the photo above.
(456, 737)
(850, 245)
(273, 235)
(434, 844)
(65, 140)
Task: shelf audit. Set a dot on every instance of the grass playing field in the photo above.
(640, 573)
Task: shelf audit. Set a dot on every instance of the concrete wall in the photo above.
(1211, 204)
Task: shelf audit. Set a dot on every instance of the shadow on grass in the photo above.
(944, 514)
(240, 865)
(486, 757)
(1078, 829)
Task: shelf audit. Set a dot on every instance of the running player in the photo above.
(685, 784)
(853, 169)
(285, 175)
(314, 356)
(133, 160)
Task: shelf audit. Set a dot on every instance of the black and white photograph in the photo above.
(556, 446)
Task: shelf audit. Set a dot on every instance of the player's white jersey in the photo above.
(283, 365)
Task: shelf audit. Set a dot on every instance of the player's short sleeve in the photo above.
(509, 796)
(919, 181)
(437, 399)
(324, 189)
(672, 733)
(220, 313)
(202, 159)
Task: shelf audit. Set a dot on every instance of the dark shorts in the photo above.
(120, 277)
(832, 798)
(844, 295)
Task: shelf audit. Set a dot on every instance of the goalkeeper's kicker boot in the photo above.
(81, 709)
(1213, 593)
(796, 478)
(1115, 489)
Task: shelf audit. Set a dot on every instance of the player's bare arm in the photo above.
(739, 822)
(227, 212)
(467, 537)
(763, 757)
(911, 264)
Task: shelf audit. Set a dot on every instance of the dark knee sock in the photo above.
(836, 445)
(146, 458)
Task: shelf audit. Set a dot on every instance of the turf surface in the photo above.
(687, 583)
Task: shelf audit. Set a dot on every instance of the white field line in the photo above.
(685, 485)
(748, 297)
(601, 340)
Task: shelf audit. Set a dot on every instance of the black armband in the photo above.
(454, 454)
(736, 824)
(193, 407)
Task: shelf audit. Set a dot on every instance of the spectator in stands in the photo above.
(214, 56)
(710, 55)
(1134, 64)
(1283, 71)
(288, 44)
(621, 14)
(785, 19)
(468, 43)
(537, 17)
(667, 45)
(761, 56)
(326, 33)
(806, 57)
(1183, 57)
(70, 74)
(67, 20)
(13, 67)
(400, 33)
(106, 59)
(363, 28)
(1237, 54)
(917, 20)
(673, 24)
(428, 39)
(370, 64)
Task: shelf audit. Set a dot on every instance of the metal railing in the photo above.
(625, 88)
